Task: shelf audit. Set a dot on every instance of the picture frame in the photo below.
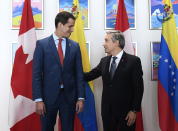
(155, 48)
(88, 48)
(37, 9)
(66, 5)
(111, 12)
(156, 13)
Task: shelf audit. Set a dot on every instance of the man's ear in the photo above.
(59, 25)
(118, 44)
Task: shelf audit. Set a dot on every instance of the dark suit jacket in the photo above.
(48, 74)
(124, 92)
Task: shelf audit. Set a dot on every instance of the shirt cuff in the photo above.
(38, 100)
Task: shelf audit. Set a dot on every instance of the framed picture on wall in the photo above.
(66, 5)
(37, 9)
(111, 12)
(88, 48)
(156, 13)
(15, 46)
(155, 48)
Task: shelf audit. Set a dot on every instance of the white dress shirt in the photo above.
(63, 44)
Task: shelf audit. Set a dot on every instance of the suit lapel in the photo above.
(53, 48)
(107, 68)
(120, 66)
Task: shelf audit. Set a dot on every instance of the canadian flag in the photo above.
(122, 24)
(22, 115)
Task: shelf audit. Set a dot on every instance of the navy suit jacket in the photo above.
(48, 74)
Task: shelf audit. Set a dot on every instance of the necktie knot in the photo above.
(114, 59)
(60, 40)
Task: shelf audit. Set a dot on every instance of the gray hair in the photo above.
(117, 36)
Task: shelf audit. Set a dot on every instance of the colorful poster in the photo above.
(66, 5)
(111, 12)
(155, 47)
(37, 9)
(156, 13)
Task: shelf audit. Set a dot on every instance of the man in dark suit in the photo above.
(122, 84)
(58, 76)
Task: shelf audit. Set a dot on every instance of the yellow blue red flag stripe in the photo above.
(168, 72)
(88, 116)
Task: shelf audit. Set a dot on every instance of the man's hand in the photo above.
(40, 108)
(131, 117)
(79, 106)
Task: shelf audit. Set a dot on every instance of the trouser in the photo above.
(66, 114)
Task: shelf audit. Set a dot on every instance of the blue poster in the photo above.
(66, 5)
(111, 12)
(156, 13)
(155, 59)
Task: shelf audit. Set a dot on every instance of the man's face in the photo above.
(109, 45)
(66, 29)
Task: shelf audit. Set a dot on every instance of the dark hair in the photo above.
(63, 17)
(118, 36)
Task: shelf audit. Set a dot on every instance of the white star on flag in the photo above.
(166, 60)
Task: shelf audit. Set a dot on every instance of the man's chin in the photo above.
(68, 35)
(106, 51)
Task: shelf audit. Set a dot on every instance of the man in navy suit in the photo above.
(58, 76)
(122, 84)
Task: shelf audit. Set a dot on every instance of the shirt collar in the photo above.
(119, 55)
(55, 37)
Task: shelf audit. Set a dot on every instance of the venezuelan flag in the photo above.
(88, 116)
(168, 72)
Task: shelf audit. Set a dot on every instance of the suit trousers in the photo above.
(66, 114)
(111, 122)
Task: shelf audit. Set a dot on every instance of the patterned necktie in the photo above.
(113, 67)
(60, 52)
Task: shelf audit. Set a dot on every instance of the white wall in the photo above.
(142, 35)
